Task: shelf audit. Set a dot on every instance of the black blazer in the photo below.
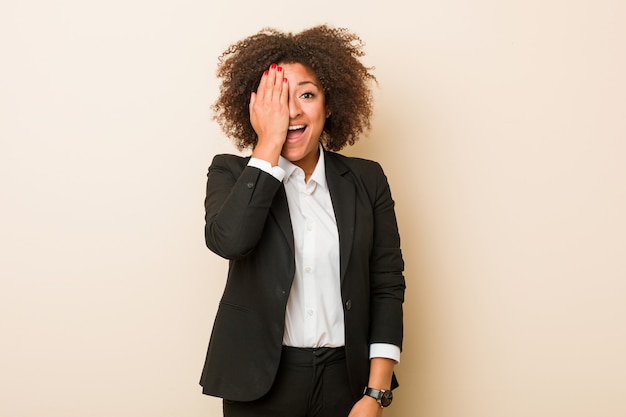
(248, 223)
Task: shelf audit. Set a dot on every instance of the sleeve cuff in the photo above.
(385, 350)
(276, 172)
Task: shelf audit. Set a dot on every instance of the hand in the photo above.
(269, 114)
(366, 407)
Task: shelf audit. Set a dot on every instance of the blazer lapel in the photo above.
(343, 197)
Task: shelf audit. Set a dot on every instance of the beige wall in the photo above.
(501, 126)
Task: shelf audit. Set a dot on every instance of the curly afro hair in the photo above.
(331, 53)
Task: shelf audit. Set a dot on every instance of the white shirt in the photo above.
(314, 315)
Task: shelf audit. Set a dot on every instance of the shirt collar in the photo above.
(319, 173)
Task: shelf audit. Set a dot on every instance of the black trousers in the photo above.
(309, 383)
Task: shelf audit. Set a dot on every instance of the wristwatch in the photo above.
(382, 396)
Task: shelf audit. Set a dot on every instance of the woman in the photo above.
(310, 322)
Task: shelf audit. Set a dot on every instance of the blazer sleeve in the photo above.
(387, 284)
(238, 200)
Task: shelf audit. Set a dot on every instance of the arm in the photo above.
(238, 201)
(386, 268)
(386, 291)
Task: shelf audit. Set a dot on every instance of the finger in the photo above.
(270, 81)
(260, 91)
(284, 94)
(279, 85)
(252, 100)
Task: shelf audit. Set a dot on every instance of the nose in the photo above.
(294, 108)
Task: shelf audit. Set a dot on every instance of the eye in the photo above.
(307, 95)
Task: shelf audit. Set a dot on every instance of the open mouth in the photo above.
(295, 131)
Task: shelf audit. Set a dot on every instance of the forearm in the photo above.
(381, 371)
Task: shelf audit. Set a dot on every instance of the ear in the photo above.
(328, 113)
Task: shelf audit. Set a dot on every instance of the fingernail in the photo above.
(266, 72)
(284, 80)
(273, 66)
(279, 69)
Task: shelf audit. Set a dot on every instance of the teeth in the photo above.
(296, 127)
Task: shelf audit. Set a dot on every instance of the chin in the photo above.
(293, 156)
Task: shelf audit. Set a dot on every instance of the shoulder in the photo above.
(361, 167)
(367, 175)
(230, 159)
(230, 162)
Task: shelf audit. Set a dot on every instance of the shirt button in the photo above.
(308, 269)
(250, 185)
(348, 304)
(310, 312)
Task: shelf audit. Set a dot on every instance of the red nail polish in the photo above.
(279, 69)
(266, 72)
(284, 80)
(273, 66)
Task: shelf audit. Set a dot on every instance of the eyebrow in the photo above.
(308, 82)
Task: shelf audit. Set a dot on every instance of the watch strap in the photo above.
(378, 394)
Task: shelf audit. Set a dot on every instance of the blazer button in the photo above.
(250, 184)
(348, 304)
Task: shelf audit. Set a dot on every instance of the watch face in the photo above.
(386, 398)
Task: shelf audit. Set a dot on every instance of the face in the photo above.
(307, 115)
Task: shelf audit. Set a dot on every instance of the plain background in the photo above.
(501, 126)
